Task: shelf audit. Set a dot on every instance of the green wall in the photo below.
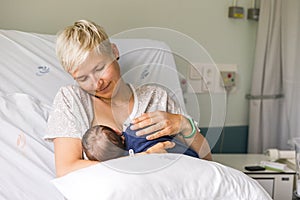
(233, 139)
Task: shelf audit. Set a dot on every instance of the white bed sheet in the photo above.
(28, 65)
(27, 161)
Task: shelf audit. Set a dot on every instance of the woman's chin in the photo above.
(104, 95)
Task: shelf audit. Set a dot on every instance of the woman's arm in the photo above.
(198, 142)
(68, 156)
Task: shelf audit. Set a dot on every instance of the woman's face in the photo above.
(99, 75)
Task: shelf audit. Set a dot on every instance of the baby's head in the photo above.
(102, 143)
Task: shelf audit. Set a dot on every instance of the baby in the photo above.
(103, 143)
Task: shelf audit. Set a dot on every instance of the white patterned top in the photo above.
(73, 114)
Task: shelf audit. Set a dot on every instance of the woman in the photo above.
(101, 97)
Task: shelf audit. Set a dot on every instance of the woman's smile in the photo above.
(103, 88)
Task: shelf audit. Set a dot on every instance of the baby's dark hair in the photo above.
(102, 143)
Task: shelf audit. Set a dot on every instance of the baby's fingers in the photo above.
(168, 144)
(161, 147)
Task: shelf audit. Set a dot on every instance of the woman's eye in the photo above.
(100, 68)
(82, 79)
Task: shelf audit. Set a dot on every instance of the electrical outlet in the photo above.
(211, 78)
(209, 72)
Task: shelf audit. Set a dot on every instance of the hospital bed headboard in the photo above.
(28, 64)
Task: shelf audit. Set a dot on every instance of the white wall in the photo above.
(227, 40)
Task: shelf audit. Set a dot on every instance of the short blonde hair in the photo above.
(75, 42)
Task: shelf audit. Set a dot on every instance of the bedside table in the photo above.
(278, 184)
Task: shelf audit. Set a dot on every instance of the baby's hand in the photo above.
(161, 147)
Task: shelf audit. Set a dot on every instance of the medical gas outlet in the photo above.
(212, 78)
(229, 78)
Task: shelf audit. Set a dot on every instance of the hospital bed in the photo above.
(30, 76)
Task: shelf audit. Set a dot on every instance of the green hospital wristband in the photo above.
(193, 129)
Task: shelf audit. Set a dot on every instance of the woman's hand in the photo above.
(160, 122)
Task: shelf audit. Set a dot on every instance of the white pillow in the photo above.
(159, 176)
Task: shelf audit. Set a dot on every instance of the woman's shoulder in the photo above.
(72, 91)
(72, 113)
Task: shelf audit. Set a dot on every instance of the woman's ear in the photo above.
(115, 51)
